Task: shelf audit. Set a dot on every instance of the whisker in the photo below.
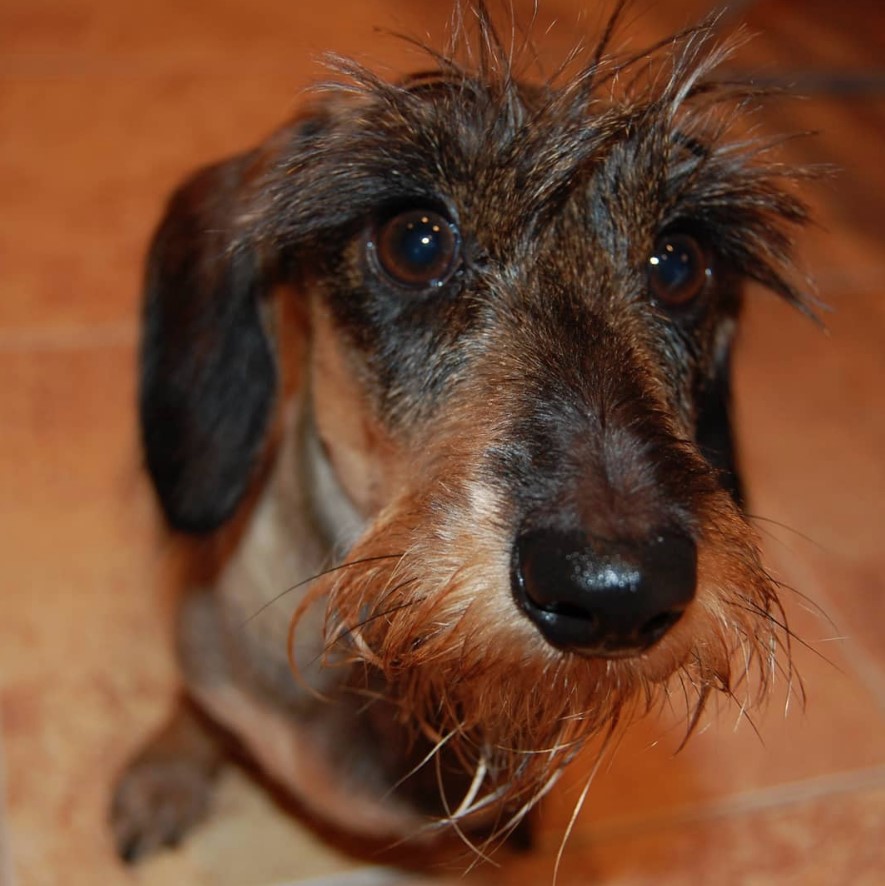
(330, 571)
(350, 631)
(579, 805)
(455, 825)
(758, 518)
(753, 608)
(811, 606)
(745, 715)
(421, 764)
(478, 778)
(696, 712)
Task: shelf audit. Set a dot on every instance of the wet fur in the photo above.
(540, 384)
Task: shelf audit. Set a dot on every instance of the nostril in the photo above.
(570, 610)
(603, 596)
(658, 625)
(565, 612)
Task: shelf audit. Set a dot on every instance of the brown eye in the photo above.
(417, 249)
(678, 269)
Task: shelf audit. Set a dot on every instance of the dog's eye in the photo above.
(678, 269)
(417, 249)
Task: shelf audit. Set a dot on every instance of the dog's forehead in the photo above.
(510, 147)
(626, 149)
(559, 196)
(533, 208)
(530, 176)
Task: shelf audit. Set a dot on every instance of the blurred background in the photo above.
(104, 107)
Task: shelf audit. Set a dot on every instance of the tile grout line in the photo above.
(738, 805)
(362, 876)
(83, 336)
(35, 338)
(6, 873)
(78, 336)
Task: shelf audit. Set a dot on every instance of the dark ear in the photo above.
(208, 371)
(715, 436)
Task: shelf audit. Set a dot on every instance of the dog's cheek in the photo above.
(363, 455)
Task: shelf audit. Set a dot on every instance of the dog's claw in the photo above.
(155, 804)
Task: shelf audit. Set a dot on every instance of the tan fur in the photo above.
(468, 671)
(361, 453)
(380, 447)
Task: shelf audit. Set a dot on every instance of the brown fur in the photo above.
(538, 386)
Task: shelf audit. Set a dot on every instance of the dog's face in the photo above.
(518, 305)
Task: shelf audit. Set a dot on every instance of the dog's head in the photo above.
(517, 305)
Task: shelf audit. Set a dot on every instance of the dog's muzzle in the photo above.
(603, 597)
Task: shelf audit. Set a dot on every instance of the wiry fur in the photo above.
(540, 385)
(423, 602)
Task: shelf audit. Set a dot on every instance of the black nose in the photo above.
(603, 597)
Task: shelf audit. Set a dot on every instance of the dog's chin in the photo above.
(425, 620)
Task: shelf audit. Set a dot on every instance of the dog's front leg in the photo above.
(166, 789)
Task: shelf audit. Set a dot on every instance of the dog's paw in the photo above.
(156, 802)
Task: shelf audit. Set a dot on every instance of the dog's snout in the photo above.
(601, 596)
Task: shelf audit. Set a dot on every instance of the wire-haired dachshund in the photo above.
(446, 360)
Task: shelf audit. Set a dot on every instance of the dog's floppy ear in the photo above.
(715, 435)
(208, 370)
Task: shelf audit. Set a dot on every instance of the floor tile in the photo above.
(815, 458)
(87, 174)
(821, 841)
(107, 107)
(86, 656)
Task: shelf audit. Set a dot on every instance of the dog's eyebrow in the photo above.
(692, 145)
(431, 80)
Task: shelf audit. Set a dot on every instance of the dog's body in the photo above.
(473, 338)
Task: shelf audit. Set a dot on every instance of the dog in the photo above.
(446, 362)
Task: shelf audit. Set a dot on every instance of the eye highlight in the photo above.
(679, 269)
(416, 249)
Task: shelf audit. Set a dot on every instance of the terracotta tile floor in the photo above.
(104, 106)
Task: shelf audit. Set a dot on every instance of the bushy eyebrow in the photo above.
(456, 123)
